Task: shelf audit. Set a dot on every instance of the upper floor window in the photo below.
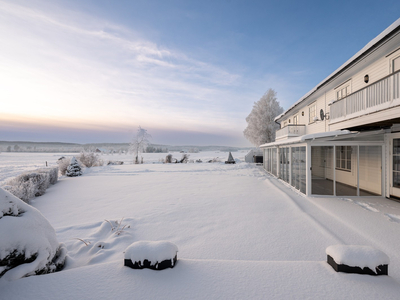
(342, 92)
(312, 109)
(295, 120)
(396, 64)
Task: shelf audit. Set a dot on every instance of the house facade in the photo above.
(343, 137)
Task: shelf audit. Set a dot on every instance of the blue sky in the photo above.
(187, 71)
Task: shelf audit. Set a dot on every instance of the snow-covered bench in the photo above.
(357, 259)
(152, 255)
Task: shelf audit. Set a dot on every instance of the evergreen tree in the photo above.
(74, 169)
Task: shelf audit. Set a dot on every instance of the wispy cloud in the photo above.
(74, 68)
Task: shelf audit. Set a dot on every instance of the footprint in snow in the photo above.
(366, 206)
(393, 218)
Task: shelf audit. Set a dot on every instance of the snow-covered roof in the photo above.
(303, 138)
(366, 48)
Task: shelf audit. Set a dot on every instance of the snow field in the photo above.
(241, 234)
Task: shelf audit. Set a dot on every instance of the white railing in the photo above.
(290, 131)
(372, 98)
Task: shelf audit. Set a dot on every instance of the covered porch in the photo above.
(339, 163)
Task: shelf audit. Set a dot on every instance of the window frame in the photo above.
(343, 158)
(397, 58)
(311, 118)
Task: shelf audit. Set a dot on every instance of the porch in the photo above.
(350, 164)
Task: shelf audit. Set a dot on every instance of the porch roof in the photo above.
(303, 138)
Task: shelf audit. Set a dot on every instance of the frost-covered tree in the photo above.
(140, 143)
(74, 169)
(260, 122)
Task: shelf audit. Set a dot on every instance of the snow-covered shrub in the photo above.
(53, 174)
(74, 169)
(185, 158)
(28, 243)
(32, 184)
(214, 160)
(115, 162)
(168, 159)
(28, 185)
(63, 164)
(90, 159)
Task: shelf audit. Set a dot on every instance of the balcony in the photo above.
(290, 131)
(378, 96)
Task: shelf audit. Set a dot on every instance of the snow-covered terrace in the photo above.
(241, 234)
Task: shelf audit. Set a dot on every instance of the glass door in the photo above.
(395, 168)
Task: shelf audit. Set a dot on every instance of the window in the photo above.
(343, 158)
(396, 64)
(295, 120)
(342, 92)
(312, 113)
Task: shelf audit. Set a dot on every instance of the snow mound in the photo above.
(357, 256)
(98, 242)
(153, 252)
(28, 243)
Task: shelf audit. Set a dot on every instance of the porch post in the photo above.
(290, 166)
(334, 170)
(358, 170)
(308, 169)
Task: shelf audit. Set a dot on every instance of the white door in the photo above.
(395, 165)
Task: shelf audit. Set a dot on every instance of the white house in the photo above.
(343, 137)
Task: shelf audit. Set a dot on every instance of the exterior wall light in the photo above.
(366, 78)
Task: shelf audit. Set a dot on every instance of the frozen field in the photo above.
(13, 163)
(241, 234)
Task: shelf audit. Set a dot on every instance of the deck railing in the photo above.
(290, 131)
(376, 96)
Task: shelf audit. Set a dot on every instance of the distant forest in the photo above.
(121, 148)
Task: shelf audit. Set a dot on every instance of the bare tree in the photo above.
(261, 126)
(139, 143)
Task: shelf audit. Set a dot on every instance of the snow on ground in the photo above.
(241, 234)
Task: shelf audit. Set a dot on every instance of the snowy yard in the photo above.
(241, 234)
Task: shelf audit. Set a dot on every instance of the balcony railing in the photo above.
(377, 96)
(290, 131)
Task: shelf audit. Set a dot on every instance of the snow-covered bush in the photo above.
(185, 158)
(214, 160)
(90, 159)
(74, 169)
(28, 243)
(53, 174)
(168, 159)
(63, 164)
(115, 162)
(32, 184)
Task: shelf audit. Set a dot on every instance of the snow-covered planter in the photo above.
(152, 255)
(357, 259)
(28, 243)
(74, 169)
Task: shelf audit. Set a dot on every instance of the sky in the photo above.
(91, 71)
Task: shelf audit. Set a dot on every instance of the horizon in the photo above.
(127, 143)
(189, 73)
